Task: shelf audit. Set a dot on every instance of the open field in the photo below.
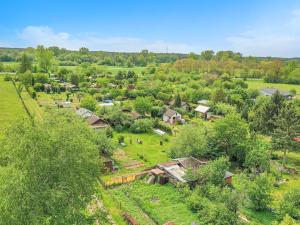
(34, 109)
(157, 203)
(11, 106)
(259, 84)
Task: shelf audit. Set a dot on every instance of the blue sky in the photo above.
(252, 27)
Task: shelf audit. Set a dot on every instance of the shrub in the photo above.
(31, 92)
(141, 126)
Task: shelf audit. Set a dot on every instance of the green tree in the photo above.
(192, 141)
(207, 55)
(45, 58)
(89, 103)
(143, 105)
(25, 63)
(177, 102)
(287, 125)
(231, 137)
(287, 220)
(259, 192)
(214, 172)
(290, 205)
(48, 171)
(258, 157)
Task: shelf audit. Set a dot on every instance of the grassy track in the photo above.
(11, 106)
(32, 106)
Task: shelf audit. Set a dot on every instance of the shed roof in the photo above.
(272, 91)
(92, 119)
(202, 109)
(84, 113)
(170, 112)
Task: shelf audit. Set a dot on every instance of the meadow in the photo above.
(154, 203)
(11, 107)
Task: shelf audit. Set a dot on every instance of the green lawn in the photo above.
(259, 84)
(150, 152)
(160, 203)
(11, 106)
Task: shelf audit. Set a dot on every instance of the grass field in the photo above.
(157, 203)
(259, 84)
(11, 106)
(150, 152)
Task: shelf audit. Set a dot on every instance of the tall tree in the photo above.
(25, 63)
(45, 58)
(287, 125)
(48, 171)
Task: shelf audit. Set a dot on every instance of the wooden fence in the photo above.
(123, 179)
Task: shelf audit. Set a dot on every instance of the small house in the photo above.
(272, 91)
(175, 170)
(96, 122)
(171, 116)
(64, 104)
(203, 102)
(47, 87)
(203, 111)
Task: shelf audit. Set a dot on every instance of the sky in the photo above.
(252, 27)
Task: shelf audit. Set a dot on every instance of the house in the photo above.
(175, 170)
(106, 104)
(203, 102)
(171, 116)
(96, 122)
(203, 111)
(272, 91)
(47, 87)
(184, 105)
(135, 115)
(64, 104)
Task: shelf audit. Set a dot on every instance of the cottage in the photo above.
(203, 111)
(171, 116)
(96, 123)
(272, 91)
(175, 171)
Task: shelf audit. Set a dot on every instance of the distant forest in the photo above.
(271, 69)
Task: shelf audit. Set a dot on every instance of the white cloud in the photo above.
(35, 35)
(275, 40)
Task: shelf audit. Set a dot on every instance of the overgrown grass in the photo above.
(150, 152)
(34, 109)
(162, 203)
(11, 106)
